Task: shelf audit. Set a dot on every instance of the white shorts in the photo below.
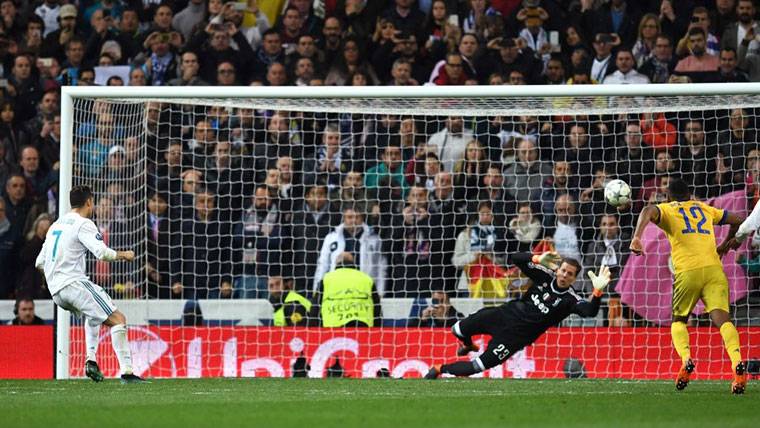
(85, 298)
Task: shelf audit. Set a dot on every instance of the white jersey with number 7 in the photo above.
(65, 249)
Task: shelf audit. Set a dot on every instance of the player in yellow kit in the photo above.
(699, 274)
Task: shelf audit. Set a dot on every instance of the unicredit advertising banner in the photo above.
(643, 353)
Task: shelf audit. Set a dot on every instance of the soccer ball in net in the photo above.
(617, 193)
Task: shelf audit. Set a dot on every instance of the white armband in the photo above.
(108, 255)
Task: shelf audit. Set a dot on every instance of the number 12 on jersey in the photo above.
(696, 214)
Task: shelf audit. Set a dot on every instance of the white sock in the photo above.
(121, 348)
(91, 334)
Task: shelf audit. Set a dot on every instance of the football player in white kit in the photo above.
(63, 260)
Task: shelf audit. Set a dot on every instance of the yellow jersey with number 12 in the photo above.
(689, 227)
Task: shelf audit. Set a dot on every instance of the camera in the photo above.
(694, 19)
(606, 38)
(403, 36)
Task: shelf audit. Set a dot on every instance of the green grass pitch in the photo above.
(312, 403)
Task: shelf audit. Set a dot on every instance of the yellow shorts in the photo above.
(708, 283)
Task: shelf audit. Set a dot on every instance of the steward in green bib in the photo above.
(347, 297)
(290, 308)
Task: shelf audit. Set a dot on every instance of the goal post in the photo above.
(238, 338)
(62, 317)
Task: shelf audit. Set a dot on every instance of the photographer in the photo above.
(160, 57)
(439, 313)
(700, 18)
(411, 246)
(213, 46)
(104, 29)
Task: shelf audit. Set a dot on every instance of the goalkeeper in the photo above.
(518, 323)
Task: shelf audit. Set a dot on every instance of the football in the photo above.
(617, 193)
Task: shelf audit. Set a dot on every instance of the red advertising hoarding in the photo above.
(26, 352)
(628, 353)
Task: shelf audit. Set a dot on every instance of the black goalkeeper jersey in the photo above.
(544, 305)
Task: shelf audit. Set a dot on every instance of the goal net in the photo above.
(239, 203)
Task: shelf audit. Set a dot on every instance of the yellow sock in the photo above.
(681, 340)
(731, 341)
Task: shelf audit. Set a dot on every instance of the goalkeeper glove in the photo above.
(600, 281)
(548, 260)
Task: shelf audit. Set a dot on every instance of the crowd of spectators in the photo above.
(415, 201)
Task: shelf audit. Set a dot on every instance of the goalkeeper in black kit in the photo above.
(518, 323)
